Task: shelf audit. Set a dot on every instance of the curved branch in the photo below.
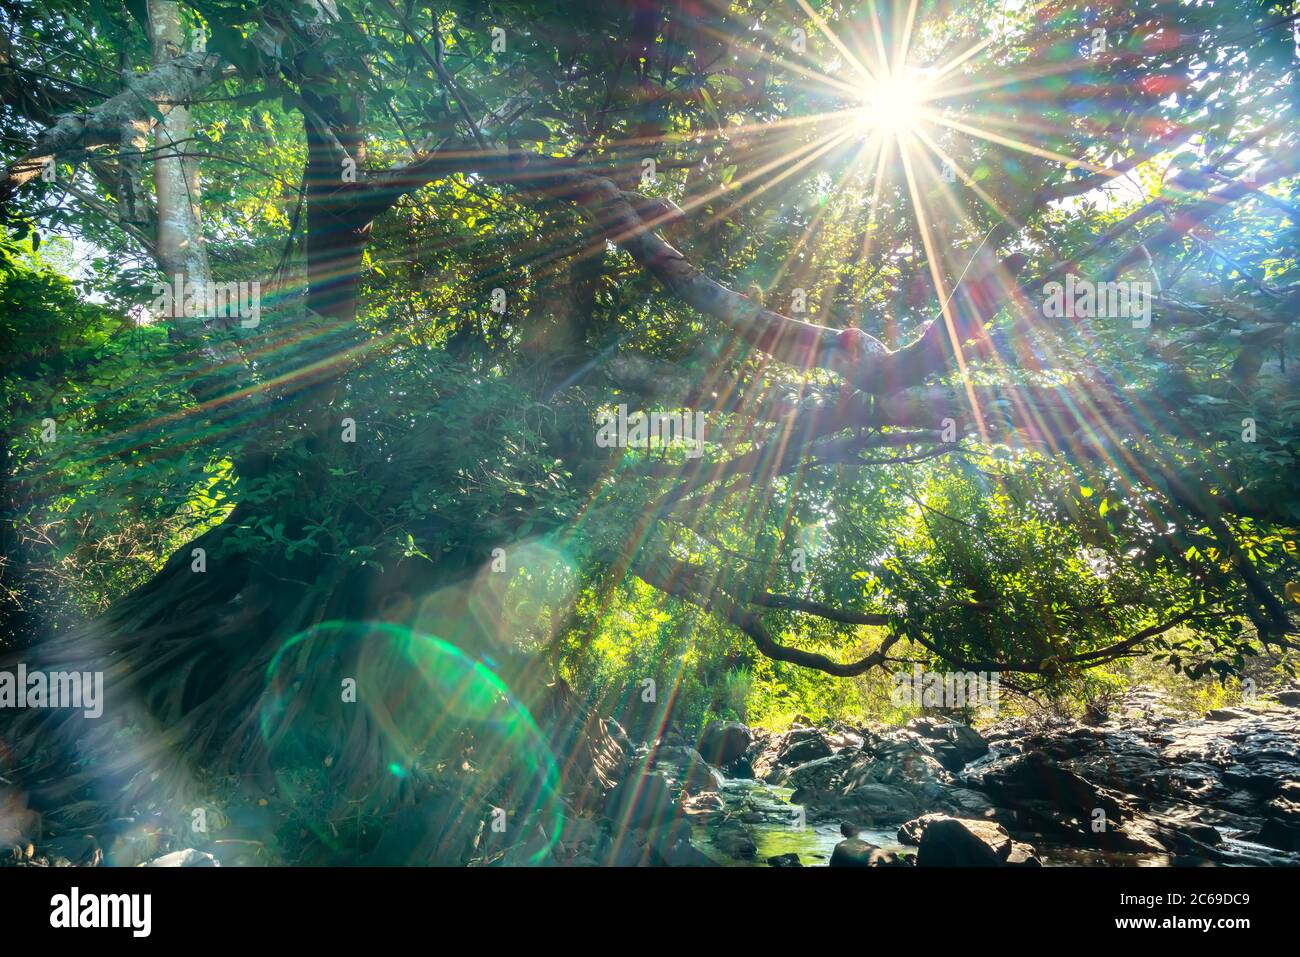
(145, 98)
(678, 579)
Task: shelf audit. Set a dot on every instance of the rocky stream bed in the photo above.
(1139, 787)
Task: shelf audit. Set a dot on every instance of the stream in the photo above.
(774, 824)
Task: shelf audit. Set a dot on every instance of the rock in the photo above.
(1258, 754)
(673, 847)
(954, 745)
(742, 768)
(761, 755)
(1284, 835)
(1226, 714)
(642, 801)
(1034, 782)
(529, 847)
(843, 736)
(879, 803)
(910, 832)
(186, 858)
(884, 858)
(785, 860)
(806, 744)
(735, 840)
(1282, 827)
(685, 767)
(953, 842)
(1117, 758)
(1095, 713)
(674, 736)
(667, 845)
(966, 803)
(852, 852)
(1290, 697)
(706, 803)
(906, 758)
(617, 734)
(819, 776)
(724, 742)
(899, 764)
(581, 838)
(1193, 781)
(1142, 781)
(1147, 834)
(1023, 855)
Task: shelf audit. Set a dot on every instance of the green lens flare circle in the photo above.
(356, 711)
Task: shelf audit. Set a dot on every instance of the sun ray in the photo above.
(950, 325)
(836, 41)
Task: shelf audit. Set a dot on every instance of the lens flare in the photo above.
(358, 713)
(893, 104)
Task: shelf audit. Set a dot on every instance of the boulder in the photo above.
(901, 761)
(1283, 835)
(1119, 758)
(879, 803)
(785, 860)
(954, 745)
(883, 858)
(705, 803)
(685, 767)
(667, 845)
(1257, 754)
(735, 840)
(673, 848)
(966, 803)
(1227, 714)
(1282, 827)
(944, 841)
(853, 852)
(742, 768)
(910, 832)
(1023, 855)
(643, 800)
(819, 776)
(802, 744)
(617, 734)
(1145, 834)
(845, 736)
(723, 742)
(1034, 781)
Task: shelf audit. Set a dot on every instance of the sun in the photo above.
(893, 104)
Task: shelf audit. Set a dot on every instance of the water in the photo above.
(774, 824)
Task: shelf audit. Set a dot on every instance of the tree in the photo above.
(921, 428)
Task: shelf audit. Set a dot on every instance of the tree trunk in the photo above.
(180, 236)
(336, 236)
